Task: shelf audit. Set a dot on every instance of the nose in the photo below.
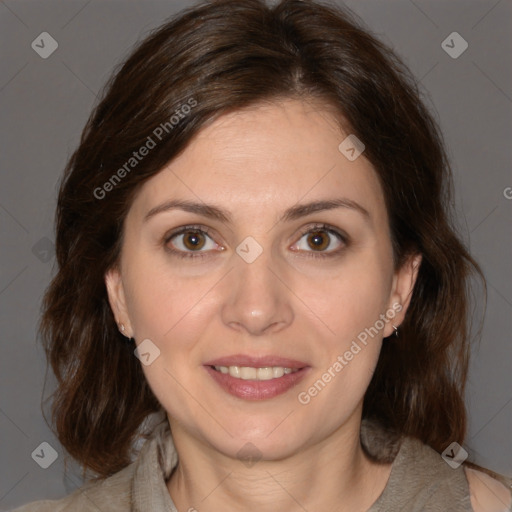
(258, 301)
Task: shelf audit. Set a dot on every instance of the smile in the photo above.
(256, 383)
(250, 373)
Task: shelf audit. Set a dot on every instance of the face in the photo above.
(262, 301)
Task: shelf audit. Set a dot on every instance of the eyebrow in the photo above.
(293, 213)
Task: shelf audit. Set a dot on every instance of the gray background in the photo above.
(44, 104)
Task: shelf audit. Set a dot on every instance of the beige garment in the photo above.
(420, 480)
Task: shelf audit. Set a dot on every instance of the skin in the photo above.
(487, 493)
(289, 302)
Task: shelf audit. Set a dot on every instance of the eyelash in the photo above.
(180, 231)
(342, 237)
(204, 230)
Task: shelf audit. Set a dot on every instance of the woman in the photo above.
(255, 250)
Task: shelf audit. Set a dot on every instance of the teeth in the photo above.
(265, 373)
(245, 373)
(249, 373)
(277, 372)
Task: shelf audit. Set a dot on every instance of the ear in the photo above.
(404, 280)
(117, 300)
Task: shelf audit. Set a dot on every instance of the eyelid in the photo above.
(332, 230)
(318, 226)
(322, 226)
(182, 230)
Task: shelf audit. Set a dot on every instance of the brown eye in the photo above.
(194, 240)
(321, 241)
(190, 242)
(318, 240)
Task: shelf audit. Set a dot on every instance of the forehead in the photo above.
(269, 156)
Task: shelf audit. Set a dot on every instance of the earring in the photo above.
(126, 338)
(396, 330)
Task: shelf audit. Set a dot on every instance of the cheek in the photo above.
(351, 298)
(174, 314)
(350, 303)
(350, 355)
(161, 302)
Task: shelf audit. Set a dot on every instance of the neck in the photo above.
(334, 475)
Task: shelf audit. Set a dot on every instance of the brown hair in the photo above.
(218, 57)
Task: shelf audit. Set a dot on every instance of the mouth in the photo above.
(252, 373)
(256, 378)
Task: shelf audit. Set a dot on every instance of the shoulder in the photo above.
(88, 498)
(126, 488)
(421, 480)
(420, 476)
(487, 493)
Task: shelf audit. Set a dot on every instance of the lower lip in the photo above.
(257, 389)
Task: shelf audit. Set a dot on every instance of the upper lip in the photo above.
(256, 362)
